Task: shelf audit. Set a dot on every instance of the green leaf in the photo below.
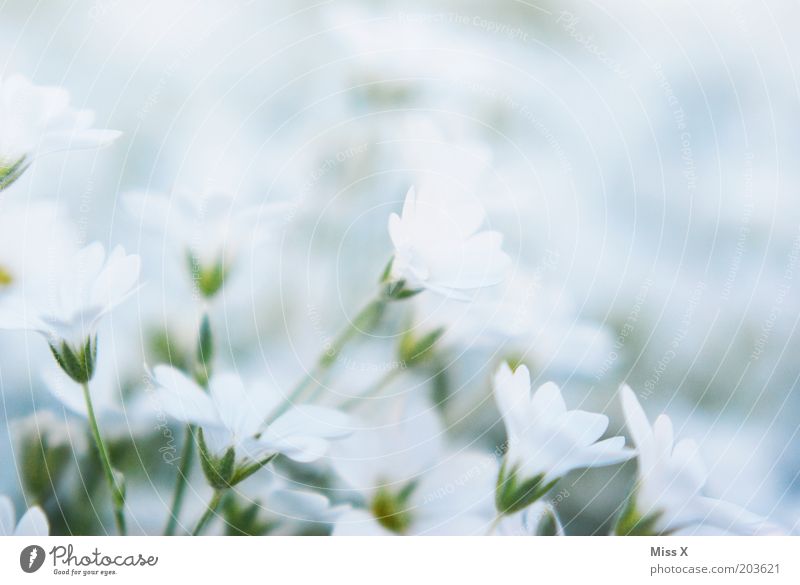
(10, 173)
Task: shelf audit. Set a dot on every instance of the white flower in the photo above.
(232, 415)
(520, 317)
(32, 523)
(409, 483)
(287, 507)
(37, 120)
(668, 496)
(211, 228)
(437, 246)
(86, 288)
(544, 438)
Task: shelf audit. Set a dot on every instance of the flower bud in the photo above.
(78, 364)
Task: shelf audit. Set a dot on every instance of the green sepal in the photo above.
(413, 351)
(9, 174)
(208, 278)
(513, 495)
(391, 509)
(397, 291)
(631, 523)
(77, 364)
(219, 471)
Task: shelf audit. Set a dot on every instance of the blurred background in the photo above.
(640, 159)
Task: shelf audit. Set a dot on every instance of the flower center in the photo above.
(390, 509)
(6, 278)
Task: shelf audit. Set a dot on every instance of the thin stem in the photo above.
(493, 526)
(117, 497)
(187, 458)
(211, 509)
(366, 318)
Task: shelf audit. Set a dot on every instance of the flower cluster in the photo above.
(258, 436)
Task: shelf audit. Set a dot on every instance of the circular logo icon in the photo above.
(31, 558)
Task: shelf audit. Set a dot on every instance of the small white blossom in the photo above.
(86, 288)
(544, 438)
(36, 120)
(668, 496)
(32, 523)
(210, 228)
(438, 246)
(232, 415)
(410, 483)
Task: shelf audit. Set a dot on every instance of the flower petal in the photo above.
(33, 523)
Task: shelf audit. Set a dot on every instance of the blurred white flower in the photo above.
(437, 246)
(285, 506)
(37, 120)
(540, 519)
(32, 523)
(35, 240)
(668, 495)
(545, 440)
(86, 288)
(211, 228)
(409, 483)
(519, 317)
(232, 415)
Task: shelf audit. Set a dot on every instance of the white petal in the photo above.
(182, 398)
(33, 523)
(314, 421)
(584, 427)
(233, 404)
(300, 448)
(116, 280)
(512, 391)
(359, 523)
(7, 515)
(547, 402)
(636, 420)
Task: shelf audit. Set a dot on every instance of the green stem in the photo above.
(187, 458)
(367, 318)
(213, 504)
(117, 495)
(493, 526)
